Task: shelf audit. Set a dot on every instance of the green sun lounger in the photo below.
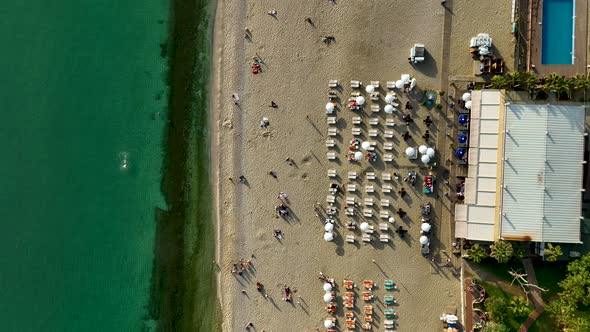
(389, 300)
(389, 284)
(390, 314)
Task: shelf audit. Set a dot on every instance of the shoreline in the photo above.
(183, 274)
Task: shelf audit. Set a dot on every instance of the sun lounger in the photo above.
(368, 310)
(331, 120)
(355, 84)
(387, 188)
(351, 187)
(366, 237)
(369, 201)
(350, 200)
(368, 284)
(330, 143)
(389, 285)
(330, 199)
(369, 319)
(374, 95)
(389, 324)
(357, 120)
(368, 213)
(375, 84)
(367, 296)
(332, 132)
(383, 227)
(369, 188)
(331, 155)
(391, 85)
(384, 203)
(332, 173)
(351, 323)
(389, 122)
(348, 284)
(389, 313)
(386, 176)
(394, 104)
(333, 84)
(384, 238)
(373, 133)
(388, 134)
(350, 238)
(384, 214)
(352, 175)
(370, 230)
(367, 326)
(388, 146)
(375, 108)
(356, 131)
(388, 157)
(349, 211)
(372, 147)
(370, 175)
(374, 121)
(389, 300)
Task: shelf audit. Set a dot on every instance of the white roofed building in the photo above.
(525, 172)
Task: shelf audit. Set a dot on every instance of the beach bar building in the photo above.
(525, 172)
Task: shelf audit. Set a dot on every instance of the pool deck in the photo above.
(580, 45)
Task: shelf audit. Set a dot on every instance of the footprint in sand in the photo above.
(304, 176)
(306, 160)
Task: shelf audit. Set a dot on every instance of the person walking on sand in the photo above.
(236, 98)
(273, 104)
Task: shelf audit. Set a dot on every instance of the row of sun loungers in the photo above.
(368, 238)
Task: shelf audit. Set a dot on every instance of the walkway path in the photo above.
(535, 295)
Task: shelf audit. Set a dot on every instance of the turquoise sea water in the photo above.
(82, 82)
(558, 27)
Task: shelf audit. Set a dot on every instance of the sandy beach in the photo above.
(372, 43)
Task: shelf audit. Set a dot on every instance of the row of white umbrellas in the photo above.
(467, 99)
(427, 153)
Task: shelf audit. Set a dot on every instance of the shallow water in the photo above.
(84, 93)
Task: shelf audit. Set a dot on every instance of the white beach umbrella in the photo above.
(329, 107)
(413, 83)
(410, 152)
(328, 323)
(423, 239)
(327, 298)
(452, 319)
(391, 220)
(329, 227)
(364, 226)
(360, 100)
(406, 78)
(358, 156)
(328, 287)
(425, 159)
(426, 227)
(389, 109)
(370, 89)
(468, 104)
(328, 236)
(466, 96)
(365, 145)
(389, 99)
(430, 152)
(399, 84)
(422, 149)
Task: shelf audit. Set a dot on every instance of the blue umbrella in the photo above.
(460, 153)
(463, 118)
(462, 138)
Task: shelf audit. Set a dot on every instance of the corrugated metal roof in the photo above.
(542, 173)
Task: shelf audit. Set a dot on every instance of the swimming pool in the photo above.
(558, 32)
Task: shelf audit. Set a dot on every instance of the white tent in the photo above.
(468, 104)
(430, 152)
(406, 78)
(328, 236)
(411, 152)
(389, 109)
(425, 227)
(329, 227)
(422, 149)
(413, 83)
(389, 98)
(364, 226)
(358, 156)
(365, 145)
(370, 89)
(327, 298)
(424, 239)
(327, 287)
(425, 159)
(360, 100)
(329, 107)
(399, 84)
(466, 96)
(328, 323)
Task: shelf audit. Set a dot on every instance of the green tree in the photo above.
(581, 83)
(495, 327)
(499, 82)
(519, 306)
(502, 251)
(476, 253)
(555, 83)
(552, 253)
(496, 307)
(519, 251)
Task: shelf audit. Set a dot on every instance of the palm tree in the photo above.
(581, 83)
(529, 82)
(519, 306)
(552, 253)
(513, 81)
(499, 82)
(502, 251)
(476, 253)
(555, 83)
